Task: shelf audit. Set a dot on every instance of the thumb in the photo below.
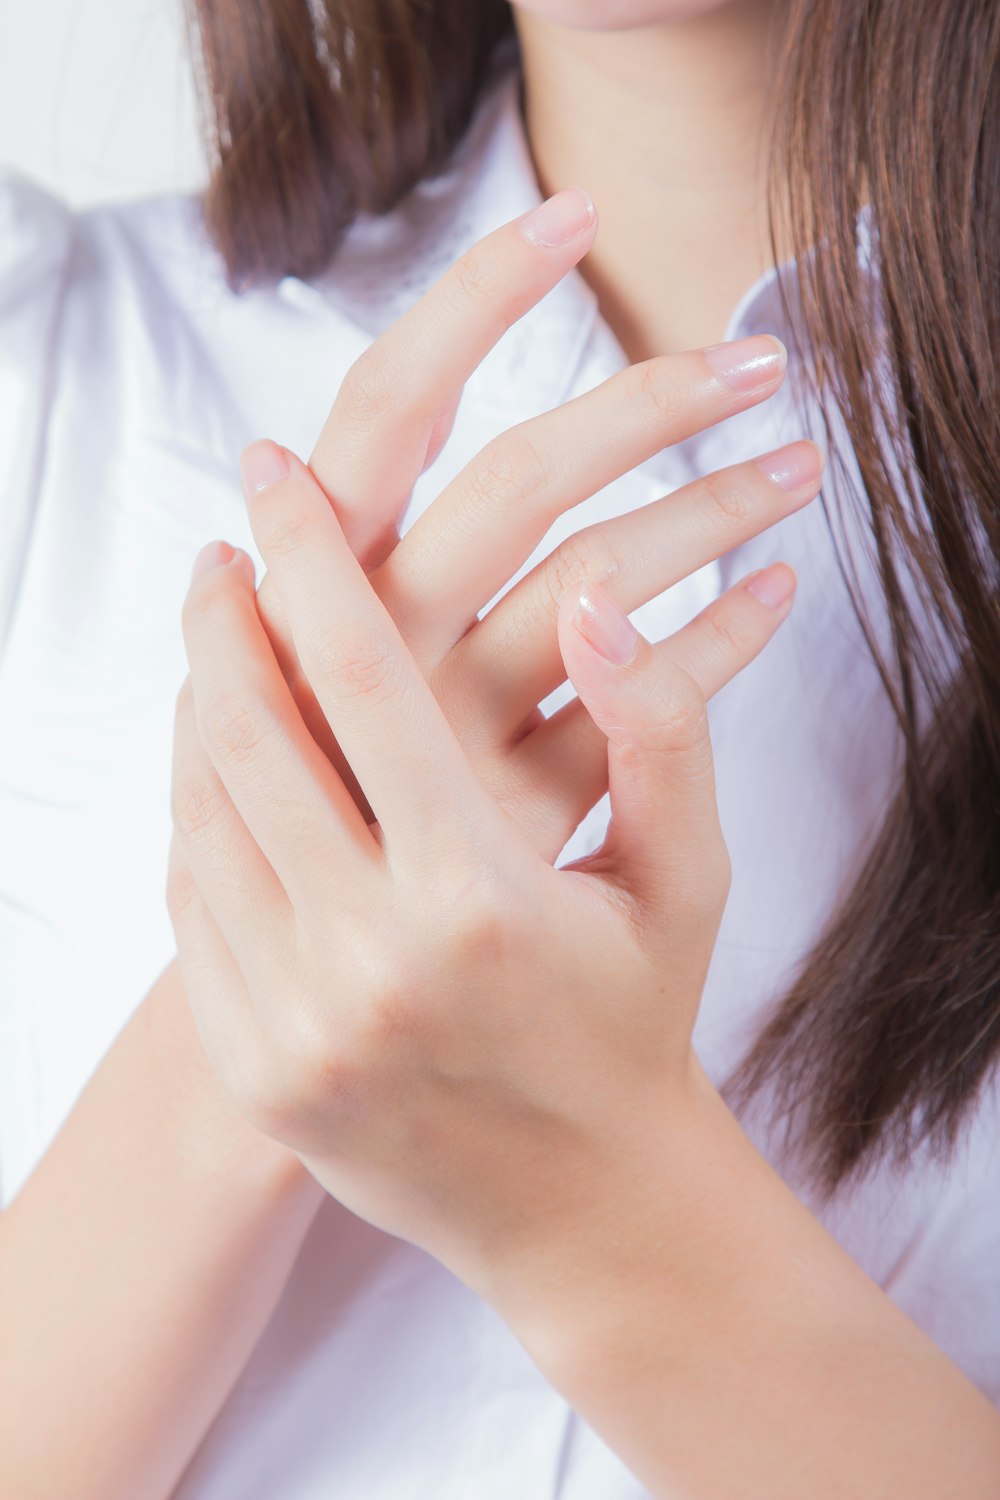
(665, 842)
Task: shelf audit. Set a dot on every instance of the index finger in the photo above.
(392, 730)
(374, 444)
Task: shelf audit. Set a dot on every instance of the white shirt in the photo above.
(130, 380)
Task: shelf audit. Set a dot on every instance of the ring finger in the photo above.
(513, 652)
(493, 514)
(713, 648)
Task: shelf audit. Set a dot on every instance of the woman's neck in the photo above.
(665, 126)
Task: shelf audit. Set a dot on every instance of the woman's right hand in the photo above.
(393, 413)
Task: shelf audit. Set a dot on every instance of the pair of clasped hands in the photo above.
(467, 1046)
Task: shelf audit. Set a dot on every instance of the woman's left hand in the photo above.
(467, 1046)
(491, 1057)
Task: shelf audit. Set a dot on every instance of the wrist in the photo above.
(565, 1289)
(691, 1230)
(718, 1338)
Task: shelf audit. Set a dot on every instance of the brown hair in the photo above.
(326, 108)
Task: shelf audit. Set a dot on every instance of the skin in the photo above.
(660, 107)
(119, 1334)
(192, 1191)
(150, 1394)
(406, 1000)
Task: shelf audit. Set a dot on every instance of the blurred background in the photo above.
(97, 97)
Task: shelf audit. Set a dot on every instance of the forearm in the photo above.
(138, 1266)
(714, 1333)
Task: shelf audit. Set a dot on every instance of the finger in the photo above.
(288, 796)
(274, 620)
(379, 707)
(476, 535)
(218, 851)
(393, 404)
(514, 653)
(397, 406)
(561, 769)
(221, 1004)
(665, 843)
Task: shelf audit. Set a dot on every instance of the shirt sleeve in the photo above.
(36, 239)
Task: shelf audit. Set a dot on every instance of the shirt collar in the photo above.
(386, 262)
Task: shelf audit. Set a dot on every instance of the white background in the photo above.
(97, 97)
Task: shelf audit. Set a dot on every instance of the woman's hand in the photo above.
(488, 677)
(464, 1043)
(492, 1058)
(390, 418)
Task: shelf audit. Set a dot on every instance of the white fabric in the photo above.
(130, 379)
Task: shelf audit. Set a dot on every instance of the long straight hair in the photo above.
(319, 110)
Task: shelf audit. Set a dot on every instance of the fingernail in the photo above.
(210, 556)
(261, 464)
(773, 586)
(607, 628)
(747, 364)
(559, 219)
(794, 466)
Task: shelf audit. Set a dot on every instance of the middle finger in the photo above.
(492, 515)
(406, 385)
(513, 653)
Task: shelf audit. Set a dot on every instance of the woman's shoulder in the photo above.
(136, 272)
(77, 289)
(132, 298)
(35, 237)
(48, 248)
(36, 249)
(133, 372)
(87, 291)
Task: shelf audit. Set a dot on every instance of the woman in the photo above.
(634, 1301)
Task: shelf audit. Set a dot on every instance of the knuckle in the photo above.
(195, 804)
(261, 1090)
(382, 1003)
(184, 701)
(510, 470)
(722, 870)
(476, 276)
(205, 595)
(357, 667)
(681, 719)
(237, 731)
(727, 630)
(281, 529)
(585, 557)
(393, 1012)
(725, 502)
(182, 890)
(370, 391)
(712, 877)
(310, 1063)
(297, 1071)
(659, 393)
(479, 912)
